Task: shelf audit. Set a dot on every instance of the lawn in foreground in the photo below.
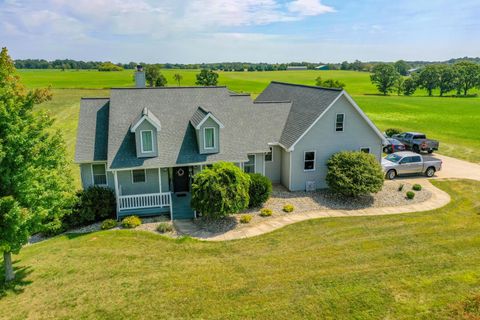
(396, 267)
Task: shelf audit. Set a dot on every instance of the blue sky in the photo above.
(190, 31)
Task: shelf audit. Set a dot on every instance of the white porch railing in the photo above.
(141, 201)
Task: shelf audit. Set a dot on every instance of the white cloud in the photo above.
(309, 7)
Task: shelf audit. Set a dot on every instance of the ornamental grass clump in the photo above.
(164, 227)
(108, 224)
(288, 208)
(246, 218)
(265, 212)
(131, 222)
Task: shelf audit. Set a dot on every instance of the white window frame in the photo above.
(254, 162)
(314, 160)
(271, 151)
(365, 148)
(144, 172)
(93, 175)
(343, 123)
(141, 141)
(205, 140)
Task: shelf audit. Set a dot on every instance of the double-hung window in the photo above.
(309, 161)
(209, 137)
(138, 176)
(99, 175)
(365, 149)
(269, 155)
(340, 122)
(147, 140)
(249, 167)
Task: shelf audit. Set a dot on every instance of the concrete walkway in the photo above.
(451, 168)
(438, 199)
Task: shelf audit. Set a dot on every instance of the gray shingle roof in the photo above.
(249, 126)
(308, 103)
(92, 133)
(198, 116)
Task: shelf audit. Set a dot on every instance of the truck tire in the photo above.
(430, 172)
(391, 174)
(430, 151)
(415, 148)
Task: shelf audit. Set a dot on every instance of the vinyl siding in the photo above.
(209, 123)
(127, 187)
(145, 125)
(285, 168)
(323, 139)
(273, 168)
(87, 179)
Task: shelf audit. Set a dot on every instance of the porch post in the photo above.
(116, 191)
(159, 180)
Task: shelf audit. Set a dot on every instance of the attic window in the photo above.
(339, 122)
(209, 137)
(146, 137)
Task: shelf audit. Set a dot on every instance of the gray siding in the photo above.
(200, 141)
(285, 168)
(145, 125)
(87, 179)
(127, 187)
(273, 168)
(259, 161)
(323, 139)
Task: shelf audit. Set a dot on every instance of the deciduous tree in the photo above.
(428, 78)
(207, 78)
(468, 76)
(178, 78)
(384, 77)
(447, 78)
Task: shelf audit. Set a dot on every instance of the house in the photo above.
(293, 68)
(322, 67)
(147, 143)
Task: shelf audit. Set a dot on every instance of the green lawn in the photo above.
(419, 265)
(454, 121)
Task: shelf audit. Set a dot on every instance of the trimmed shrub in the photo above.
(288, 208)
(220, 190)
(91, 205)
(417, 187)
(246, 218)
(164, 227)
(400, 187)
(108, 224)
(391, 131)
(410, 195)
(354, 173)
(265, 212)
(131, 222)
(260, 189)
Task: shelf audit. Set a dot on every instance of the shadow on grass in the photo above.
(17, 286)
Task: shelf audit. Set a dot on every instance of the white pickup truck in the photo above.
(409, 163)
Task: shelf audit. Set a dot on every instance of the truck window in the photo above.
(406, 160)
(408, 136)
(420, 136)
(416, 159)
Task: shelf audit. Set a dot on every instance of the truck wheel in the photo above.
(416, 149)
(391, 174)
(430, 172)
(430, 151)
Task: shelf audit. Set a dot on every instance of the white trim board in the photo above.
(145, 117)
(205, 141)
(211, 116)
(355, 106)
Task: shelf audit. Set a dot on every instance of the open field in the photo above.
(419, 265)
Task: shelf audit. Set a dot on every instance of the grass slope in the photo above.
(385, 267)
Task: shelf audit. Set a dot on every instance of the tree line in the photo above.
(459, 78)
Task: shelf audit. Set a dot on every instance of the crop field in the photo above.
(452, 120)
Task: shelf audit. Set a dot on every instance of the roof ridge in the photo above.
(306, 86)
(165, 88)
(94, 98)
(273, 101)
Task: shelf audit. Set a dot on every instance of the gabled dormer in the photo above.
(146, 128)
(207, 128)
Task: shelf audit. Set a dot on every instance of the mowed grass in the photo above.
(407, 266)
(453, 121)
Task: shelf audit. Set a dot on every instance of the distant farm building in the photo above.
(322, 67)
(291, 68)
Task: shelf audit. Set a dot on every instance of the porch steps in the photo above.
(181, 206)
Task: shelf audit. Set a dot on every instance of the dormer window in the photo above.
(146, 137)
(209, 136)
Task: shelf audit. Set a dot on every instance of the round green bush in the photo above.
(246, 218)
(164, 227)
(260, 189)
(91, 205)
(417, 187)
(391, 131)
(220, 190)
(410, 195)
(288, 208)
(265, 212)
(108, 224)
(131, 222)
(352, 173)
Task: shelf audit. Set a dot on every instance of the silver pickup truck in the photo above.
(417, 142)
(409, 163)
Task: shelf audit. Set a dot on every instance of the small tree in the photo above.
(178, 78)
(354, 173)
(384, 77)
(260, 189)
(468, 76)
(220, 190)
(428, 78)
(152, 72)
(329, 83)
(161, 80)
(399, 85)
(207, 78)
(14, 232)
(447, 77)
(409, 86)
